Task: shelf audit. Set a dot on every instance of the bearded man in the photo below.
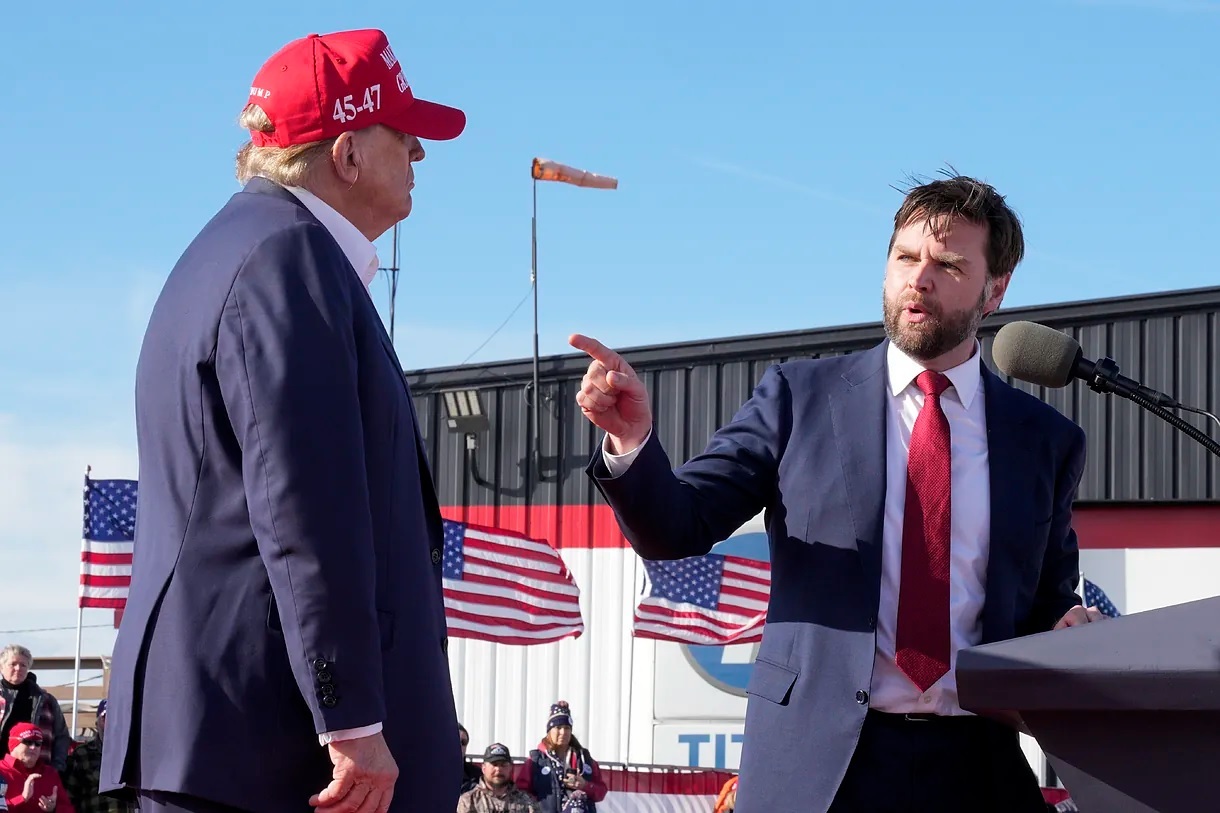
(916, 505)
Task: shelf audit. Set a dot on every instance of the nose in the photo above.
(921, 275)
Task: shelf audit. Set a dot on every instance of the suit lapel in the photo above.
(858, 413)
(427, 486)
(1009, 462)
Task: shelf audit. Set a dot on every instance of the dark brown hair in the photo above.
(942, 201)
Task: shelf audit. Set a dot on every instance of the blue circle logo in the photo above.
(730, 674)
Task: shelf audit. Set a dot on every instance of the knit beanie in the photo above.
(560, 715)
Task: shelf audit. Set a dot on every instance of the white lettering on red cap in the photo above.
(346, 108)
(387, 56)
(260, 93)
(402, 83)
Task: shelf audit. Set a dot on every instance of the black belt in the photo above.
(943, 720)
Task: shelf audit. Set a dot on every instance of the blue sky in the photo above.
(755, 147)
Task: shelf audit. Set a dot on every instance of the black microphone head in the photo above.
(1035, 353)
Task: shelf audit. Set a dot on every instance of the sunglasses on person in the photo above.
(32, 743)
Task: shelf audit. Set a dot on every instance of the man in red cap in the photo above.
(286, 591)
(31, 785)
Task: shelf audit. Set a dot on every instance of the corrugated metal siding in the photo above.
(504, 693)
(1171, 342)
(1168, 341)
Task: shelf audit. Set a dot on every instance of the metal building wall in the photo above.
(1169, 341)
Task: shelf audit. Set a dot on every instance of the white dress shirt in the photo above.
(362, 254)
(970, 508)
(963, 405)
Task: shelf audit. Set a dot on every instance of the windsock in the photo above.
(544, 170)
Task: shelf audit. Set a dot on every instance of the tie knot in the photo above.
(932, 383)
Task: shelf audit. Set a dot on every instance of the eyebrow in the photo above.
(951, 257)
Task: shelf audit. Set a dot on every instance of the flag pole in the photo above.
(537, 399)
(545, 170)
(80, 613)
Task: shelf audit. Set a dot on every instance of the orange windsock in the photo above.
(544, 170)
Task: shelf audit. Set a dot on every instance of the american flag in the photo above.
(712, 599)
(1094, 596)
(106, 543)
(506, 588)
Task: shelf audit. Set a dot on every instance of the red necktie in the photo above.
(922, 640)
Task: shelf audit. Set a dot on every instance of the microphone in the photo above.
(1041, 355)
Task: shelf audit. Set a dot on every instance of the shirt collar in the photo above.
(965, 377)
(361, 253)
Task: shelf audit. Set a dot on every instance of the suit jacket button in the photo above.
(862, 697)
(324, 677)
(330, 701)
(319, 664)
(328, 691)
(436, 556)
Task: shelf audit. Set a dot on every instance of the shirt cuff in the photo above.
(349, 733)
(619, 463)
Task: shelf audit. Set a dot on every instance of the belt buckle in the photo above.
(915, 717)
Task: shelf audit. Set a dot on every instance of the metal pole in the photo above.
(537, 400)
(76, 677)
(80, 612)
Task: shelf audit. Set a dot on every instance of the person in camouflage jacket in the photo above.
(497, 793)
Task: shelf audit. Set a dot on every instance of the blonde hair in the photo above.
(286, 166)
(6, 655)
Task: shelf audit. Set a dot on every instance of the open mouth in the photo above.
(916, 312)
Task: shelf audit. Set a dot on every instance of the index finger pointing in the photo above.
(597, 350)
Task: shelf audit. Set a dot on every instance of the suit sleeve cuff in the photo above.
(349, 733)
(616, 464)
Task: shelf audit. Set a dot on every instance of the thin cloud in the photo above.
(784, 183)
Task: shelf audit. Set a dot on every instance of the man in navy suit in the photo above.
(916, 505)
(284, 643)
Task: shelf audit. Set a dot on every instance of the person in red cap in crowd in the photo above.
(286, 589)
(22, 700)
(31, 786)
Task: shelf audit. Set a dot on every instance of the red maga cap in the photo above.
(326, 84)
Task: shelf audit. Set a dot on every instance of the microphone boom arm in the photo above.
(1173, 420)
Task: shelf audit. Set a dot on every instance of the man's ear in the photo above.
(998, 287)
(345, 158)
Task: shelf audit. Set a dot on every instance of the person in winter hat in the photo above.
(560, 767)
(32, 786)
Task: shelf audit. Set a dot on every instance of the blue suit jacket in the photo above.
(809, 448)
(287, 547)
